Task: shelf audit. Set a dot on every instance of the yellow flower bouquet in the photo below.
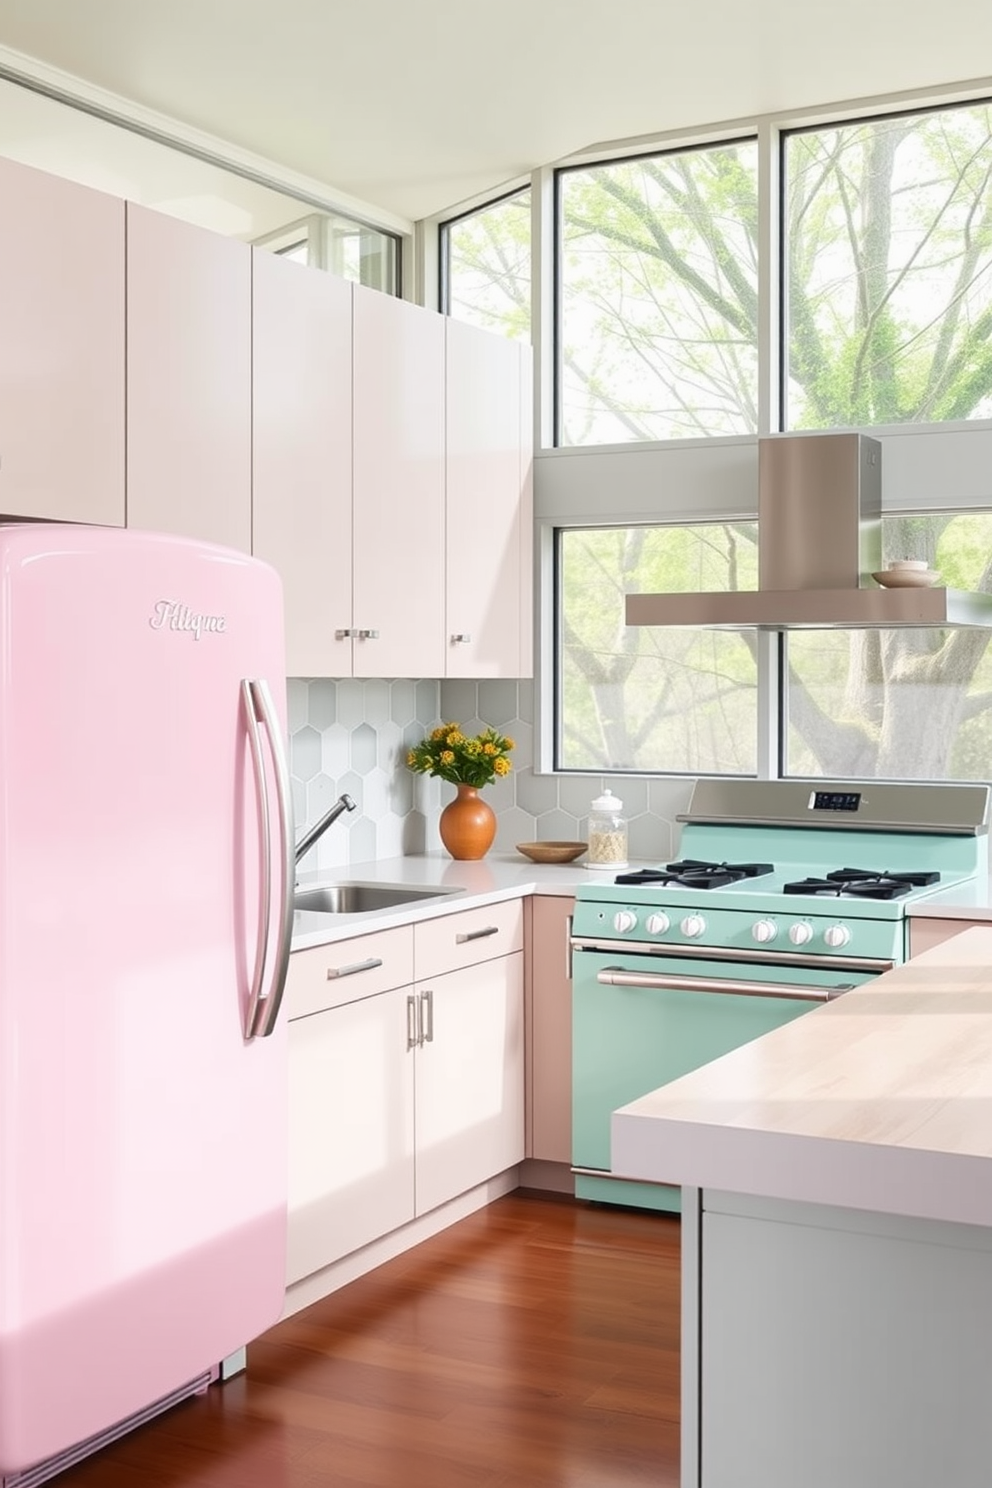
(450, 754)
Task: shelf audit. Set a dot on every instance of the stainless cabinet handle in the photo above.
(427, 1024)
(614, 976)
(343, 635)
(412, 1035)
(261, 709)
(367, 635)
(568, 948)
(356, 966)
(461, 638)
(476, 934)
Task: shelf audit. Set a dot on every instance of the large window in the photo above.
(828, 277)
(889, 276)
(486, 267)
(658, 297)
(680, 701)
(899, 704)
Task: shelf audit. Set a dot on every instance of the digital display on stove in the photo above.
(835, 800)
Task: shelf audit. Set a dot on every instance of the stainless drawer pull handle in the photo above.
(340, 971)
(427, 1023)
(343, 635)
(412, 1034)
(476, 934)
(367, 635)
(460, 638)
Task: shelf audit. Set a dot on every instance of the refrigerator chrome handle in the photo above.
(265, 852)
(270, 1002)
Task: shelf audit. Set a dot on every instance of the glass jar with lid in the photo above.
(607, 833)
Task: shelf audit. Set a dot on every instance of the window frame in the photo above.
(561, 171)
(444, 227)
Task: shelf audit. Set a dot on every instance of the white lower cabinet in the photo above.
(351, 1165)
(469, 1084)
(403, 1093)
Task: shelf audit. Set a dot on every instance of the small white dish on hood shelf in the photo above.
(907, 574)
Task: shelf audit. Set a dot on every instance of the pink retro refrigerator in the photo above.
(145, 915)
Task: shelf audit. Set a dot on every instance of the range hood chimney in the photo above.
(819, 542)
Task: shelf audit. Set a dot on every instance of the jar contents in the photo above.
(607, 834)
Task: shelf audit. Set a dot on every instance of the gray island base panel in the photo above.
(834, 1348)
(837, 1237)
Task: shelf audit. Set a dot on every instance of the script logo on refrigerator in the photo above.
(169, 614)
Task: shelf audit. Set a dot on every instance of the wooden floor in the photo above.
(532, 1344)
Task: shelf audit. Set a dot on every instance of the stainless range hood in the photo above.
(819, 541)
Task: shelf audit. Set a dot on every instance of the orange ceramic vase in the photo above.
(468, 824)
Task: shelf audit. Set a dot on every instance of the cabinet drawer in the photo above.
(453, 941)
(329, 976)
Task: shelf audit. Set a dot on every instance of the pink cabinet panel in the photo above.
(301, 433)
(61, 349)
(549, 994)
(188, 380)
(398, 488)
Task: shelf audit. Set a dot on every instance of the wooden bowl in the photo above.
(552, 852)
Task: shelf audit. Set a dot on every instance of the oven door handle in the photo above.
(615, 976)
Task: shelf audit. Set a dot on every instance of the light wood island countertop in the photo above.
(881, 1100)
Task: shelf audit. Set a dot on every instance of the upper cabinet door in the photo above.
(301, 502)
(485, 504)
(188, 380)
(61, 349)
(398, 611)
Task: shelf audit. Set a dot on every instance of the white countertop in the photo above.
(881, 1100)
(966, 901)
(509, 876)
(495, 877)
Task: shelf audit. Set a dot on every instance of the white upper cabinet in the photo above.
(301, 433)
(398, 610)
(188, 380)
(61, 349)
(488, 508)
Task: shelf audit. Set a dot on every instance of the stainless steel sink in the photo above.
(361, 898)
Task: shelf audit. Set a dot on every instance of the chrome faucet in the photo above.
(306, 842)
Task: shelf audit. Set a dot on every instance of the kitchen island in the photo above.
(837, 1237)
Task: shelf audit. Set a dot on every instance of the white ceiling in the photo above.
(414, 107)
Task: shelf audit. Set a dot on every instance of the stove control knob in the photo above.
(624, 920)
(800, 933)
(657, 924)
(693, 926)
(764, 930)
(837, 936)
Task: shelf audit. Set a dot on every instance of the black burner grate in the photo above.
(862, 883)
(692, 874)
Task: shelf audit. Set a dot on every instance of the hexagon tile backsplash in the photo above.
(351, 735)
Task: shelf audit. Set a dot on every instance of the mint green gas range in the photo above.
(785, 894)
